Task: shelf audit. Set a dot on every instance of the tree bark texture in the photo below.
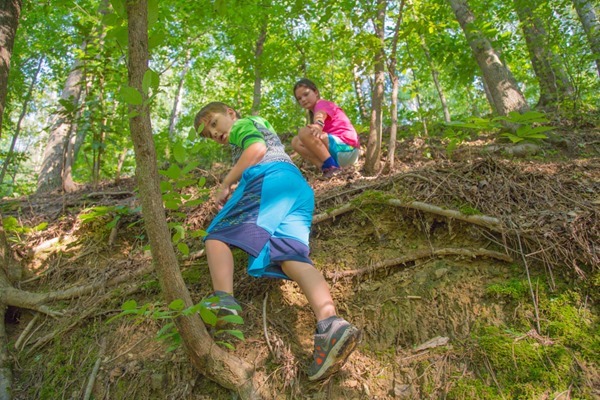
(26, 101)
(373, 155)
(435, 74)
(393, 60)
(503, 88)
(53, 161)
(258, 51)
(212, 361)
(10, 12)
(588, 15)
(177, 99)
(552, 78)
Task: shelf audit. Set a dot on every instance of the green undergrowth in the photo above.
(514, 361)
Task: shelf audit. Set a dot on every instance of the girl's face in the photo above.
(306, 97)
(218, 125)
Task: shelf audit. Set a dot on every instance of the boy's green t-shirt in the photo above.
(244, 132)
(250, 130)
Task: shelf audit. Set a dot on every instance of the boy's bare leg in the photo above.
(313, 285)
(220, 264)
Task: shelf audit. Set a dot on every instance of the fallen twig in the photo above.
(92, 378)
(28, 328)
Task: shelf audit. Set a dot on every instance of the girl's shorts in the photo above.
(343, 153)
(269, 217)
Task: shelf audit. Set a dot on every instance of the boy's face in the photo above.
(217, 126)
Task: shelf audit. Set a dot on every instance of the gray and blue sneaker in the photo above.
(222, 303)
(332, 348)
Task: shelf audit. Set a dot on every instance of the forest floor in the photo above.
(472, 277)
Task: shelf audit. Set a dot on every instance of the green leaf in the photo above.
(111, 20)
(232, 319)
(208, 316)
(172, 205)
(183, 248)
(513, 138)
(179, 233)
(174, 172)
(156, 39)
(236, 333)
(190, 166)
(131, 96)
(166, 329)
(151, 80)
(177, 305)
(179, 153)
(152, 12)
(165, 186)
(228, 345)
(41, 226)
(119, 7)
(194, 203)
(129, 305)
(192, 134)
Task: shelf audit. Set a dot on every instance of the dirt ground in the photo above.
(417, 283)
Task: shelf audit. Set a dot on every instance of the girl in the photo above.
(269, 217)
(329, 141)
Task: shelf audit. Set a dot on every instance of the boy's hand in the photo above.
(221, 195)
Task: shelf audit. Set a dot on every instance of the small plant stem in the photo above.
(533, 297)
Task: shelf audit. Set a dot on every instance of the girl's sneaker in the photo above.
(332, 348)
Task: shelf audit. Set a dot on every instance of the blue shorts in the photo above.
(342, 152)
(269, 217)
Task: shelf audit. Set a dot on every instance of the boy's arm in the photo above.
(251, 156)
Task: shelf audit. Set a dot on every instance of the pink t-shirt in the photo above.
(337, 123)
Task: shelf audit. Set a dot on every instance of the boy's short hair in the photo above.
(214, 107)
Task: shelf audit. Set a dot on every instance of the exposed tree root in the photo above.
(481, 220)
(416, 255)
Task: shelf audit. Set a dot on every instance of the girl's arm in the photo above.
(251, 156)
(318, 123)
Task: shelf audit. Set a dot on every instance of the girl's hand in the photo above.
(316, 130)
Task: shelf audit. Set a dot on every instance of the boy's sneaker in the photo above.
(331, 172)
(332, 348)
(222, 304)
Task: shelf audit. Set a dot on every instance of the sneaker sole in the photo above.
(338, 355)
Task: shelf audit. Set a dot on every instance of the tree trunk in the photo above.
(588, 15)
(10, 11)
(177, 99)
(53, 163)
(395, 88)
(214, 362)
(552, 78)
(436, 79)
(26, 101)
(503, 88)
(360, 97)
(373, 155)
(10, 270)
(258, 51)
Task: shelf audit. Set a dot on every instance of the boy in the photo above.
(268, 216)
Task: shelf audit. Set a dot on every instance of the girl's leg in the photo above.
(220, 264)
(310, 147)
(313, 285)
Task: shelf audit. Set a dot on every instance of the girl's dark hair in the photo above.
(311, 85)
(305, 82)
(215, 107)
